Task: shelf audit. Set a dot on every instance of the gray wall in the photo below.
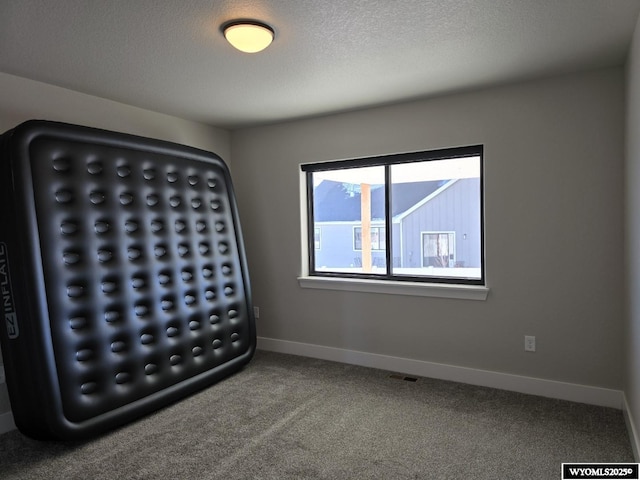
(22, 99)
(554, 230)
(632, 260)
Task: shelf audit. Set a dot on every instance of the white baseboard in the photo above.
(631, 429)
(6, 422)
(603, 397)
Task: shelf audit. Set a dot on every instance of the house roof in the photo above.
(340, 202)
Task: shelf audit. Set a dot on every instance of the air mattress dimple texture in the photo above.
(124, 279)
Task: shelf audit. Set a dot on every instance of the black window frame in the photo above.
(387, 161)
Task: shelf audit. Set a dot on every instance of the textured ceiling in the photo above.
(328, 55)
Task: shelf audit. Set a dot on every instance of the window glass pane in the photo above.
(357, 238)
(346, 204)
(378, 240)
(436, 218)
(375, 240)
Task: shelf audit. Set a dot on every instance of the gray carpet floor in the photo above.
(288, 417)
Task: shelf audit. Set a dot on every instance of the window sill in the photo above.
(416, 289)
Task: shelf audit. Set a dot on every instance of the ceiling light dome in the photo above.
(247, 35)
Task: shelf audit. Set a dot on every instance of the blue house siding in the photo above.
(334, 251)
(336, 246)
(455, 209)
(397, 247)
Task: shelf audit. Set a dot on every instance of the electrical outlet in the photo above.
(256, 312)
(529, 343)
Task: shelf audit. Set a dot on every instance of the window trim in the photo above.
(388, 282)
(392, 287)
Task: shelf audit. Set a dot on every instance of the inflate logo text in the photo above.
(8, 307)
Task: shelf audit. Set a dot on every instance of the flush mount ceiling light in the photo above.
(247, 35)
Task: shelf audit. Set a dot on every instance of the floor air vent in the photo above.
(403, 377)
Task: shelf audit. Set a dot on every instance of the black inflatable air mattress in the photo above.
(122, 274)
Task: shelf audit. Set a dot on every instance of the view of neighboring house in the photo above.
(434, 224)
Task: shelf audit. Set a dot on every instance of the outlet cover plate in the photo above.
(529, 343)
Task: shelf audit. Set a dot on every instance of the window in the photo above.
(377, 238)
(406, 217)
(438, 249)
